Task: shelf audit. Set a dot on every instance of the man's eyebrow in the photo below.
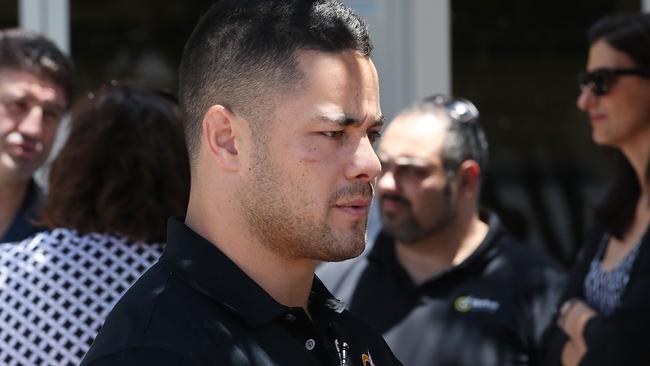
(345, 121)
(380, 121)
(51, 104)
(405, 161)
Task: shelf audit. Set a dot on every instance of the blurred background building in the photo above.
(516, 60)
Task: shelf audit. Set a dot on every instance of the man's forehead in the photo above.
(415, 136)
(21, 84)
(416, 127)
(346, 69)
(336, 87)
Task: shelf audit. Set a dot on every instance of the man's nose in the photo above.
(386, 181)
(32, 124)
(364, 164)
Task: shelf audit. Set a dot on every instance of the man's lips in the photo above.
(393, 203)
(356, 207)
(21, 146)
(24, 150)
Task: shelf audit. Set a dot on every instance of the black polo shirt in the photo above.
(196, 307)
(489, 310)
(23, 226)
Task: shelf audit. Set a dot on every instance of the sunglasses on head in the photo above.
(600, 81)
(463, 112)
(459, 109)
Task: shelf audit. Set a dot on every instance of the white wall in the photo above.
(50, 17)
(412, 48)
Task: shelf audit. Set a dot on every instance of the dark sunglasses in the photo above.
(600, 81)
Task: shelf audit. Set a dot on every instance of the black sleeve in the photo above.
(616, 339)
(554, 337)
(138, 356)
(622, 337)
(546, 289)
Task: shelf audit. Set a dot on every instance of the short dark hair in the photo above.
(31, 52)
(630, 34)
(124, 168)
(465, 139)
(242, 51)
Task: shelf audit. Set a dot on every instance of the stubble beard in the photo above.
(410, 231)
(284, 217)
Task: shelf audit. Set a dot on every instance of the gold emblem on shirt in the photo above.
(366, 360)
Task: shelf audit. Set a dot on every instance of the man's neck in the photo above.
(12, 195)
(287, 280)
(447, 248)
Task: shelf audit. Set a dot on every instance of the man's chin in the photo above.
(340, 257)
(24, 168)
(345, 249)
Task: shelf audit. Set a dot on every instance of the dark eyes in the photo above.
(17, 106)
(333, 134)
(413, 171)
(406, 170)
(373, 136)
(51, 114)
(23, 106)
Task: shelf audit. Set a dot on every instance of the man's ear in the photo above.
(219, 136)
(469, 174)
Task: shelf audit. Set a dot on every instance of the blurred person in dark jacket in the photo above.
(445, 282)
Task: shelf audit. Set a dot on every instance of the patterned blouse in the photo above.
(57, 287)
(603, 289)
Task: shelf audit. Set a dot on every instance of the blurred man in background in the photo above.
(444, 282)
(35, 93)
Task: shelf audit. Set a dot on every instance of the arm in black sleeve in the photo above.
(621, 338)
(554, 338)
(545, 289)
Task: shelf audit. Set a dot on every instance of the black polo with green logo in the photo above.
(490, 310)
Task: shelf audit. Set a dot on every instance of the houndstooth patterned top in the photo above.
(603, 289)
(57, 288)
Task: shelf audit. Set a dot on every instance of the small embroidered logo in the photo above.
(464, 304)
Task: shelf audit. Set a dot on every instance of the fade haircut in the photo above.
(30, 52)
(465, 139)
(242, 55)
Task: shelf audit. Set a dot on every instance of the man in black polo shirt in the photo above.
(35, 92)
(282, 108)
(444, 282)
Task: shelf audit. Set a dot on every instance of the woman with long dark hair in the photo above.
(122, 172)
(605, 317)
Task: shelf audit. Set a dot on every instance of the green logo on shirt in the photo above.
(464, 304)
